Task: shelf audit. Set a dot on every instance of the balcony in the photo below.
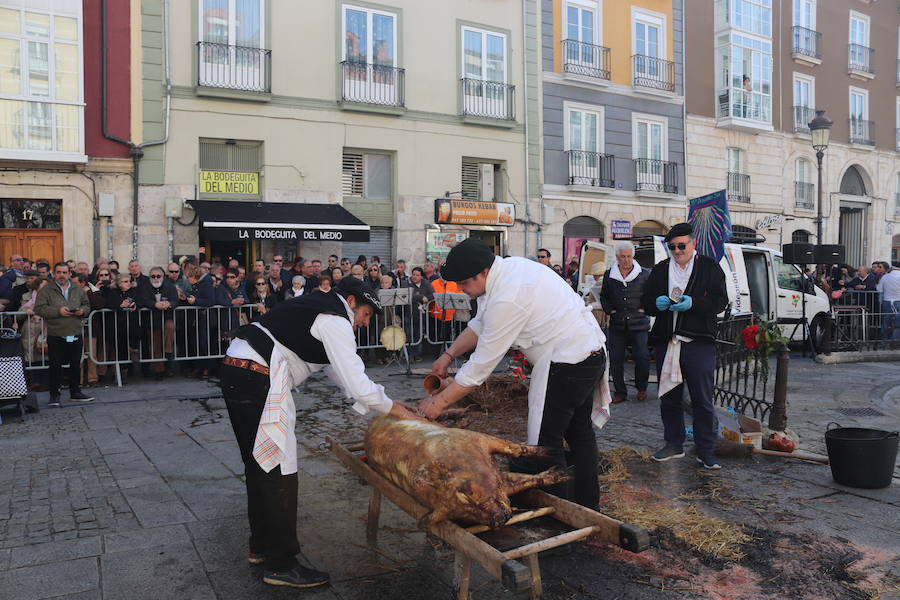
(591, 169)
(897, 204)
(366, 84)
(487, 99)
(806, 46)
(861, 62)
(238, 68)
(738, 188)
(802, 116)
(652, 175)
(804, 195)
(586, 60)
(651, 73)
(861, 132)
(746, 111)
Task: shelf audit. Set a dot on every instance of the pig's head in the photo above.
(482, 498)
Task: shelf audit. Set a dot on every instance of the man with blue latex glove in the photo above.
(685, 293)
(684, 304)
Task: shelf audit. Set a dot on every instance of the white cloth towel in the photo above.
(670, 375)
(615, 273)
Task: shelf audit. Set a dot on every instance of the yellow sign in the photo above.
(229, 182)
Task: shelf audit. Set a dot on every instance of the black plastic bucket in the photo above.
(861, 458)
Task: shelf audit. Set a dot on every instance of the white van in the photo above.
(757, 278)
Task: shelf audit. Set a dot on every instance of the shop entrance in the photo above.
(226, 250)
(491, 238)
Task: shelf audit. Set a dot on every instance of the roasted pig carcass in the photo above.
(451, 471)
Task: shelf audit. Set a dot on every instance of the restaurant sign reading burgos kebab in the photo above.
(468, 212)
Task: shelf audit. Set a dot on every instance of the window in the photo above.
(649, 65)
(897, 197)
(860, 127)
(649, 138)
(582, 39)
(860, 55)
(485, 90)
(480, 180)
(754, 16)
(800, 236)
(369, 55)
(805, 14)
(232, 42)
(366, 186)
(584, 146)
(789, 276)
(650, 152)
(735, 160)
(744, 65)
(803, 187)
(897, 147)
(738, 182)
(41, 86)
(581, 23)
(804, 101)
(229, 156)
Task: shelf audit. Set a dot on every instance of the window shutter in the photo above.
(352, 174)
(213, 156)
(471, 190)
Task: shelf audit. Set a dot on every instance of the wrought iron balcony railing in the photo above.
(234, 67)
(861, 58)
(591, 168)
(861, 131)
(585, 59)
(654, 73)
(897, 204)
(802, 116)
(655, 175)
(738, 188)
(367, 83)
(807, 42)
(804, 195)
(488, 99)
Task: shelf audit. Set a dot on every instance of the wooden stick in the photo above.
(372, 518)
(552, 542)
(818, 459)
(537, 587)
(462, 570)
(519, 518)
(576, 515)
(355, 446)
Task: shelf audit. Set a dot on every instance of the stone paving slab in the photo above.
(51, 579)
(148, 537)
(173, 571)
(48, 552)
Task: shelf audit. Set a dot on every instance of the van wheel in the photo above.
(817, 334)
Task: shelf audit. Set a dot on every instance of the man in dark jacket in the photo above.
(685, 293)
(620, 296)
(203, 295)
(160, 296)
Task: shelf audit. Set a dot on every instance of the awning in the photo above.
(226, 220)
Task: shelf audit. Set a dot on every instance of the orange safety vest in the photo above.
(441, 286)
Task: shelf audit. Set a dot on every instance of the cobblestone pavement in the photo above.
(140, 495)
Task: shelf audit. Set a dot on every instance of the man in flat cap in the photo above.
(522, 303)
(685, 293)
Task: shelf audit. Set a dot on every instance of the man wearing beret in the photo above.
(685, 293)
(522, 303)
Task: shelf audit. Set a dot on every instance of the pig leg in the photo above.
(518, 482)
(497, 446)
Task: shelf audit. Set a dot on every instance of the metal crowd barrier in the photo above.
(863, 321)
(34, 337)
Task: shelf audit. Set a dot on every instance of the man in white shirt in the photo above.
(521, 303)
(889, 288)
(263, 363)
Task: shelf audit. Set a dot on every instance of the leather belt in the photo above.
(243, 363)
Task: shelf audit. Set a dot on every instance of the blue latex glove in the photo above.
(663, 303)
(684, 304)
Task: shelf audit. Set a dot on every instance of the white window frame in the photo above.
(812, 17)
(654, 19)
(370, 81)
(741, 156)
(865, 95)
(494, 102)
(47, 155)
(594, 5)
(370, 12)
(868, 23)
(484, 33)
(802, 77)
(897, 143)
(797, 162)
(568, 107)
(212, 71)
(650, 119)
(750, 30)
(232, 9)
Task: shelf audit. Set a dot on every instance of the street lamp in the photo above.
(820, 130)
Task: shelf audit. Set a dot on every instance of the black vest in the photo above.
(289, 322)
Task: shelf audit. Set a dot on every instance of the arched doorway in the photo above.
(576, 231)
(853, 214)
(741, 234)
(646, 228)
(800, 236)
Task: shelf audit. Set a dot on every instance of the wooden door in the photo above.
(32, 243)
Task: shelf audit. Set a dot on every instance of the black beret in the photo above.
(679, 230)
(467, 259)
(31, 272)
(351, 286)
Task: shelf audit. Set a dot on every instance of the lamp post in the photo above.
(820, 130)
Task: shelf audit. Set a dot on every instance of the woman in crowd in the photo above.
(298, 284)
(373, 278)
(91, 371)
(361, 261)
(324, 282)
(336, 275)
(260, 295)
(124, 336)
(33, 337)
(358, 271)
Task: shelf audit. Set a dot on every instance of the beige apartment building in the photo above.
(756, 72)
(310, 128)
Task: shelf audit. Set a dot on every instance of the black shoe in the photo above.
(298, 577)
(666, 453)
(709, 462)
(54, 402)
(80, 396)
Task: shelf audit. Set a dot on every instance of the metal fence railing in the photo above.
(802, 116)
(740, 381)
(861, 131)
(655, 175)
(488, 99)
(861, 58)
(368, 83)
(581, 58)
(806, 42)
(863, 321)
(804, 195)
(234, 67)
(591, 168)
(652, 72)
(738, 187)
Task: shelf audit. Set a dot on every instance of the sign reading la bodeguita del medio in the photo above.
(229, 182)
(470, 212)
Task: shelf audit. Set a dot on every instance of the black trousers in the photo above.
(60, 352)
(567, 418)
(271, 497)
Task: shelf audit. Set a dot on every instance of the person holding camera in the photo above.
(63, 304)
